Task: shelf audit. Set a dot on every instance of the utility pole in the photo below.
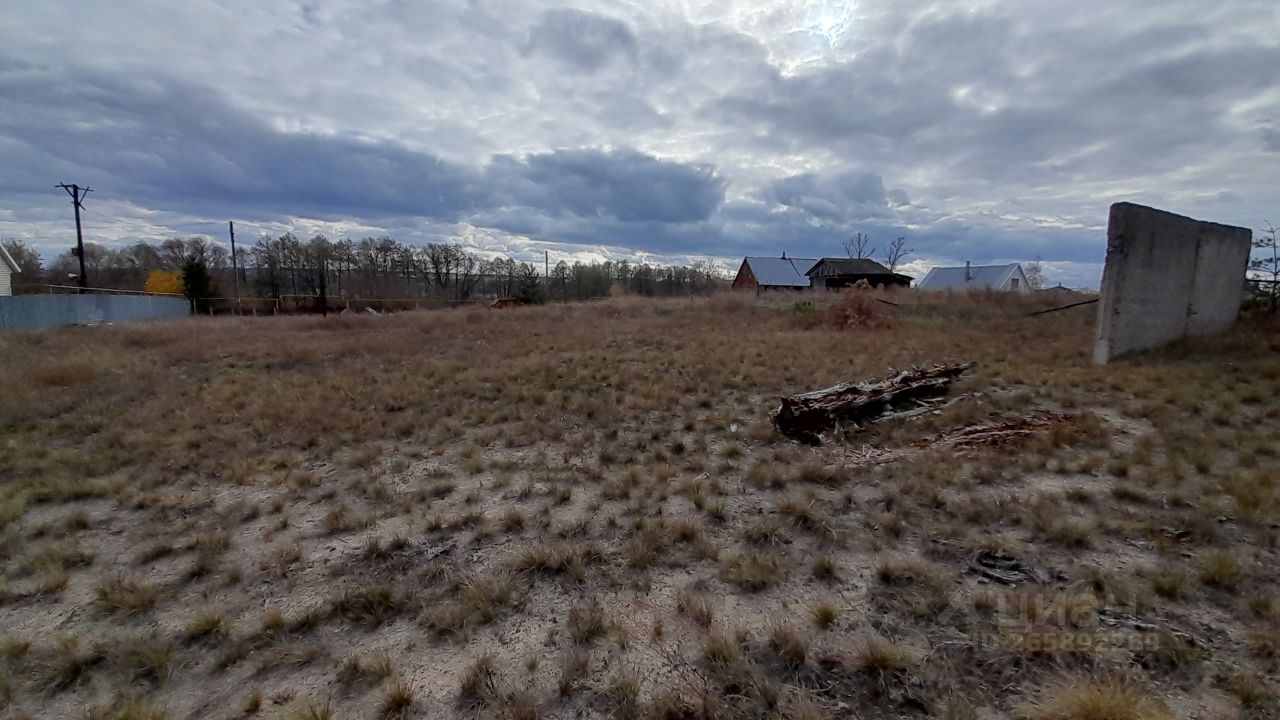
(546, 264)
(235, 268)
(77, 194)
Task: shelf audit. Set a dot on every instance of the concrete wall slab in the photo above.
(1167, 277)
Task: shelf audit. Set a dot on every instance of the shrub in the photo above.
(857, 310)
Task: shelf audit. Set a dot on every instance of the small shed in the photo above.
(1008, 278)
(8, 266)
(763, 273)
(835, 273)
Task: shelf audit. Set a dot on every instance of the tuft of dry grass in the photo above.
(372, 604)
(574, 664)
(1220, 569)
(1094, 697)
(125, 595)
(696, 605)
(397, 701)
(480, 598)
(824, 567)
(790, 644)
(65, 664)
(356, 669)
(722, 649)
(558, 557)
(477, 684)
(622, 691)
(907, 571)
(314, 710)
(1249, 688)
(753, 570)
(877, 654)
(210, 624)
(341, 519)
(824, 614)
(145, 658)
(586, 621)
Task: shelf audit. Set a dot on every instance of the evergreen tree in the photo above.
(196, 283)
(530, 290)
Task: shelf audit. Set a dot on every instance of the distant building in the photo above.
(835, 273)
(8, 266)
(1008, 278)
(763, 273)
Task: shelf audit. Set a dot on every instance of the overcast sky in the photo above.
(670, 130)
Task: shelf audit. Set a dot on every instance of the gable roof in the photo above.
(850, 266)
(979, 276)
(784, 272)
(8, 260)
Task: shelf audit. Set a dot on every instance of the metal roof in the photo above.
(783, 272)
(851, 266)
(979, 276)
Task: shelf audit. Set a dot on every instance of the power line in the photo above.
(151, 226)
(165, 227)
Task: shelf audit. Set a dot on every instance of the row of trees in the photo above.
(372, 268)
(859, 247)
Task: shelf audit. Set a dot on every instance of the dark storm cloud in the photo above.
(582, 40)
(157, 142)
(181, 147)
(621, 185)
(842, 197)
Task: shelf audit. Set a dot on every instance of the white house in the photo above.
(8, 266)
(977, 277)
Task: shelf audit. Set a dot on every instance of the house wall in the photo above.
(6, 279)
(745, 279)
(1022, 281)
(1166, 277)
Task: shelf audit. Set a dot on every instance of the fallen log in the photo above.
(807, 415)
(1068, 306)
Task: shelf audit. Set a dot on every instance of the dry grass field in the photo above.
(584, 511)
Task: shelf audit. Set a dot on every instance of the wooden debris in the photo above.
(1004, 569)
(925, 407)
(807, 415)
(1112, 617)
(1068, 306)
(997, 433)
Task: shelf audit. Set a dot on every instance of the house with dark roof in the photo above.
(835, 273)
(1009, 278)
(764, 273)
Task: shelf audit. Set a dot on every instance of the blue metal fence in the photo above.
(33, 312)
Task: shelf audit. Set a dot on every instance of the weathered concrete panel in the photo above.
(1166, 277)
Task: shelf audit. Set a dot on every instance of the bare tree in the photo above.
(859, 246)
(1267, 266)
(896, 253)
(29, 263)
(1035, 274)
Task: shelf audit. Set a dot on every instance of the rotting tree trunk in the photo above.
(807, 415)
